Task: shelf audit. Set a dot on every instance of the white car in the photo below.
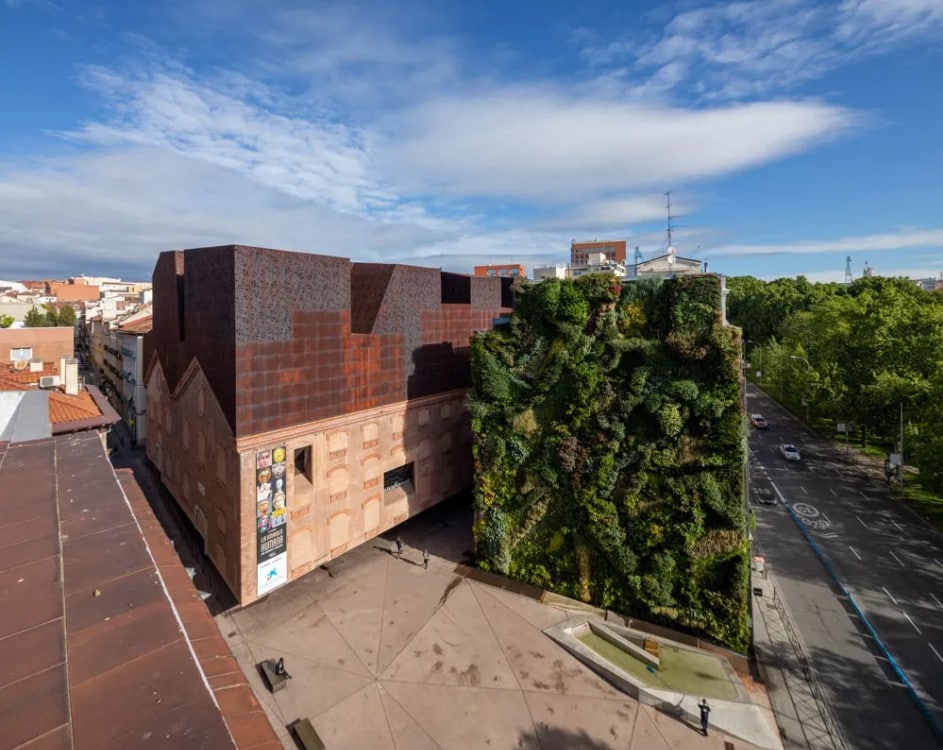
(789, 452)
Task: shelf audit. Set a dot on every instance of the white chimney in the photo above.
(62, 363)
(71, 376)
(35, 365)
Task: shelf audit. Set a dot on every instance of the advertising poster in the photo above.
(271, 517)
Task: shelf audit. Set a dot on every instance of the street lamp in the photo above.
(803, 359)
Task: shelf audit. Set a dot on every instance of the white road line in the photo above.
(835, 494)
(896, 558)
(863, 495)
(938, 562)
(899, 527)
(889, 595)
(827, 519)
(861, 522)
(935, 652)
(939, 603)
(912, 623)
(857, 555)
(803, 489)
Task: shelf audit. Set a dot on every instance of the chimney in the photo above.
(71, 376)
(36, 365)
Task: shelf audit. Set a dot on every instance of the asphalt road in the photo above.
(889, 560)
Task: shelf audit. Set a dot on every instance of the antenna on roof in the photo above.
(848, 277)
(668, 196)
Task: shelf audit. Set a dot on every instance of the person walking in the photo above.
(425, 559)
(705, 712)
(399, 547)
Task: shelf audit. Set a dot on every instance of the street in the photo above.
(890, 562)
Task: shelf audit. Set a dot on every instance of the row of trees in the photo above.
(854, 354)
(50, 316)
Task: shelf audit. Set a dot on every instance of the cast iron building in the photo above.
(301, 404)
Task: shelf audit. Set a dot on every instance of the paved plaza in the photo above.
(386, 654)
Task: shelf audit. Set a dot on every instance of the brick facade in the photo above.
(48, 344)
(356, 369)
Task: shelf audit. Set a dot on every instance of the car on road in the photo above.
(758, 422)
(789, 452)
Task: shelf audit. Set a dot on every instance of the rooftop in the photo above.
(88, 409)
(104, 641)
(140, 326)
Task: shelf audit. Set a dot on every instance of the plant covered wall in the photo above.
(610, 448)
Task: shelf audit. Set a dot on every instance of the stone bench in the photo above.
(306, 735)
(274, 680)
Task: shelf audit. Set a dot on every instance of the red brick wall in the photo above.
(49, 344)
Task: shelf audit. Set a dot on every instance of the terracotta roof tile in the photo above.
(141, 326)
(67, 408)
(31, 378)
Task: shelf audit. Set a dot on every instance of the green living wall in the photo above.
(610, 449)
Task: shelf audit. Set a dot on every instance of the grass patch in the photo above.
(927, 504)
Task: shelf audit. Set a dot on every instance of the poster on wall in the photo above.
(271, 502)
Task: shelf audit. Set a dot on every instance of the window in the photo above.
(398, 477)
(23, 352)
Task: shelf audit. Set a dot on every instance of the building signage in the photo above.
(271, 516)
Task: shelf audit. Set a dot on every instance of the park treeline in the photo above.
(856, 354)
(610, 449)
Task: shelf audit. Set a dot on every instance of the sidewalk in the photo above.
(802, 715)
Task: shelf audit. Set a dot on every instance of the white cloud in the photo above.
(532, 144)
(902, 240)
(751, 48)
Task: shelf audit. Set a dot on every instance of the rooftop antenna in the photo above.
(639, 258)
(848, 277)
(668, 196)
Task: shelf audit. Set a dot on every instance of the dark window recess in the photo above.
(181, 308)
(303, 462)
(397, 477)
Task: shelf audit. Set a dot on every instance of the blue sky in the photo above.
(792, 132)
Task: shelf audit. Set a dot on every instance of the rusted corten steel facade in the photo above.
(353, 374)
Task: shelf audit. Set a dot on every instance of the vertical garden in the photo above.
(610, 449)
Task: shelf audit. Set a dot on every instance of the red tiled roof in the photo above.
(95, 611)
(31, 378)
(69, 412)
(137, 326)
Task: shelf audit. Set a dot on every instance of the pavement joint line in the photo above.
(935, 651)
(912, 622)
(891, 597)
(855, 551)
(896, 558)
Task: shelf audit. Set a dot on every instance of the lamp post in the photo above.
(803, 359)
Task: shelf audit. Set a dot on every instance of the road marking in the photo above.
(834, 494)
(803, 489)
(889, 595)
(896, 558)
(863, 495)
(899, 527)
(912, 623)
(861, 522)
(935, 652)
(938, 562)
(827, 519)
(939, 603)
(856, 552)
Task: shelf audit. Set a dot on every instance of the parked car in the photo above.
(790, 452)
(758, 422)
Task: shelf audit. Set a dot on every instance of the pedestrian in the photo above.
(425, 559)
(399, 547)
(705, 711)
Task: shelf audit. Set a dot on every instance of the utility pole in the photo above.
(668, 196)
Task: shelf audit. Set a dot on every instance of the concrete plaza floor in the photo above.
(385, 654)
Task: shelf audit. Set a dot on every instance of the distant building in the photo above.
(550, 272)
(613, 250)
(669, 264)
(73, 290)
(299, 405)
(509, 270)
(128, 387)
(597, 262)
(43, 344)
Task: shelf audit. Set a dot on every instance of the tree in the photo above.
(66, 316)
(6, 321)
(35, 319)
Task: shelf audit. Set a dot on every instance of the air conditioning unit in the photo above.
(49, 381)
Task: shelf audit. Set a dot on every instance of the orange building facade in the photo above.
(506, 271)
(614, 250)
